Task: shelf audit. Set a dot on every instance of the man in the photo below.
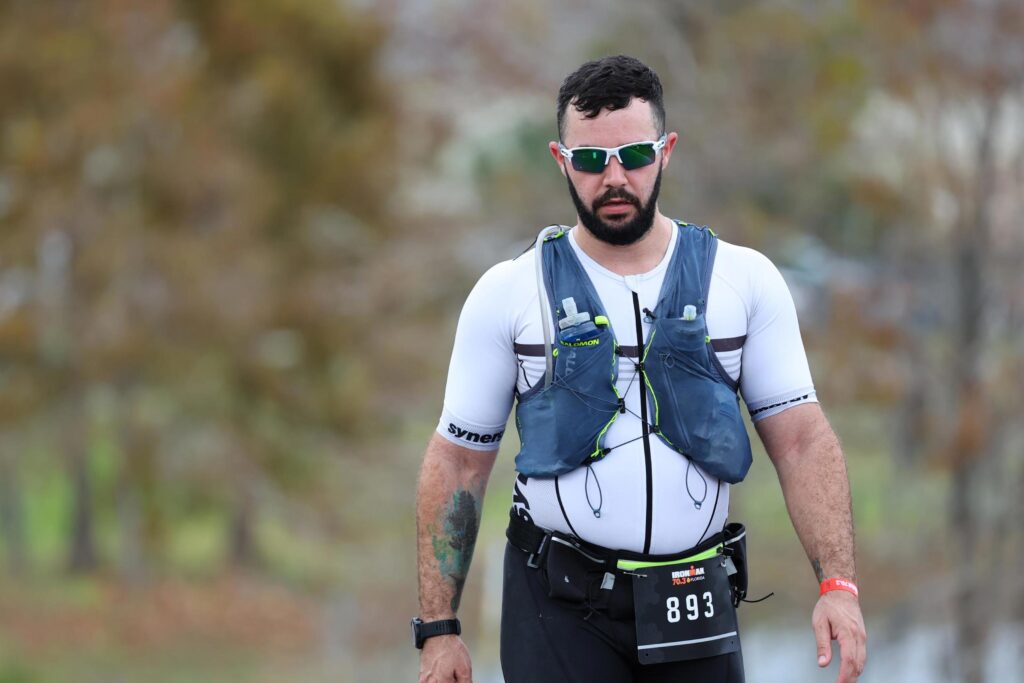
(624, 341)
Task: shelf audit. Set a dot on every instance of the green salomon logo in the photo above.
(584, 342)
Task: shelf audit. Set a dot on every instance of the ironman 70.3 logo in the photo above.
(685, 576)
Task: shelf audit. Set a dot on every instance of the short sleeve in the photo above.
(775, 374)
(482, 371)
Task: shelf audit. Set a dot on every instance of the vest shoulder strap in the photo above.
(565, 277)
(688, 278)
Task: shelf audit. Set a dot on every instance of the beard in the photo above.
(619, 233)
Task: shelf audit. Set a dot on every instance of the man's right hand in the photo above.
(445, 659)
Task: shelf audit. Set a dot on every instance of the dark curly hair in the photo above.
(610, 83)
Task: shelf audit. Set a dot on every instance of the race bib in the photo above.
(684, 610)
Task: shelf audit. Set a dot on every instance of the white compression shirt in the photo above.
(753, 324)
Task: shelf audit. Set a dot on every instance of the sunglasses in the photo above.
(594, 159)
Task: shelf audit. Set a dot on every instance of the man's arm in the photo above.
(812, 473)
(448, 504)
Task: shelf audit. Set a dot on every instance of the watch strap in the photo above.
(429, 629)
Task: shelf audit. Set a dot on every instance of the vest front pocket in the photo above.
(696, 413)
(562, 426)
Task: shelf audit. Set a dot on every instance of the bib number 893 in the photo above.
(674, 614)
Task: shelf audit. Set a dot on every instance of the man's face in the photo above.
(617, 206)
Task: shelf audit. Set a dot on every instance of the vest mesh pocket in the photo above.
(696, 413)
(560, 426)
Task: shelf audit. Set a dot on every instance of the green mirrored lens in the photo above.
(635, 156)
(589, 160)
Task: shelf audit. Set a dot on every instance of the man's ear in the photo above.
(559, 159)
(670, 142)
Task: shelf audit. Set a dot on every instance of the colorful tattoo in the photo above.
(454, 548)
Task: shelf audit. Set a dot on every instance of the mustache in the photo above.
(616, 193)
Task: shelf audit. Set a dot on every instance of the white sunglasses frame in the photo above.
(612, 152)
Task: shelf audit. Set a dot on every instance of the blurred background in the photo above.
(235, 236)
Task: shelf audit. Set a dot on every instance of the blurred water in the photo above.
(923, 655)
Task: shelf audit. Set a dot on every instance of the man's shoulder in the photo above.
(506, 288)
(748, 274)
(744, 266)
(730, 254)
(511, 272)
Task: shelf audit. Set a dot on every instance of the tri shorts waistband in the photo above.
(532, 539)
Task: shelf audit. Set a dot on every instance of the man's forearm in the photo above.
(812, 473)
(448, 504)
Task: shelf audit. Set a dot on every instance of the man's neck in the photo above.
(632, 259)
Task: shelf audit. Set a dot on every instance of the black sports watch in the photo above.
(421, 630)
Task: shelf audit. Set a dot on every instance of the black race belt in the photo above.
(684, 605)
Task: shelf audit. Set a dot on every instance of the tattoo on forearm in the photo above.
(818, 571)
(453, 548)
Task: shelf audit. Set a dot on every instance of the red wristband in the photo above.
(839, 585)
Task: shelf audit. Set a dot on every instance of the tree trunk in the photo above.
(138, 531)
(82, 557)
(242, 539)
(243, 547)
(969, 612)
(131, 558)
(972, 443)
(12, 523)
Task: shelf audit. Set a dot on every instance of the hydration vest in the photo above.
(563, 421)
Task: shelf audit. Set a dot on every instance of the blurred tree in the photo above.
(22, 394)
(959, 79)
(889, 132)
(219, 172)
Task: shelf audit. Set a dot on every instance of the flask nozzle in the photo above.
(572, 317)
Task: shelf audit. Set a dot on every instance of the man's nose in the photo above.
(614, 173)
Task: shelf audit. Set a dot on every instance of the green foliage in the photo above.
(208, 179)
(13, 672)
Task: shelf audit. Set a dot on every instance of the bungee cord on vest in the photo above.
(601, 404)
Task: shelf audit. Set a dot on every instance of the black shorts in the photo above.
(549, 640)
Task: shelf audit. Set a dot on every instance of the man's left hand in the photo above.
(837, 616)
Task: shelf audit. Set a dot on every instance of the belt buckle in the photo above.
(533, 561)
